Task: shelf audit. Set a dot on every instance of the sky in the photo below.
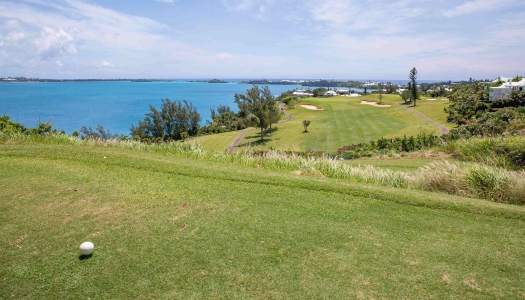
(286, 39)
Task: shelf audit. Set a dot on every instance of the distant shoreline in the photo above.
(304, 83)
(82, 80)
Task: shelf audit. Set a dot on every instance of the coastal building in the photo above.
(302, 93)
(343, 92)
(503, 91)
(330, 94)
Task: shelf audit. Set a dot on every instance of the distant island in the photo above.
(305, 83)
(264, 81)
(312, 83)
(208, 81)
(26, 79)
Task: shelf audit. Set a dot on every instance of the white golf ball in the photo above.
(86, 248)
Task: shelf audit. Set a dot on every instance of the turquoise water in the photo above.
(114, 105)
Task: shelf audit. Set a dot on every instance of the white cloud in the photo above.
(238, 5)
(14, 36)
(375, 17)
(11, 24)
(316, 38)
(106, 64)
(165, 1)
(53, 43)
(475, 6)
(242, 5)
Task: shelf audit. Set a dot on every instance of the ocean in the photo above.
(113, 104)
(116, 105)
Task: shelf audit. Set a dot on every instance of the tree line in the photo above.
(176, 120)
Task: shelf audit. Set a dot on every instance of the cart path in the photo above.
(444, 130)
(243, 134)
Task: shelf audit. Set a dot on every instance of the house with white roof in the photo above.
(503, 91)
(302, 93)
(330, 93)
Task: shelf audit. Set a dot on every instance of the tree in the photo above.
(306, 123)
(380, 98)
(169, 123)
(391, 88)
(183, 135)
(8, 126)
(405, 95)
(319, 92)
(99, 134)
(275, 115)
(256, 105)
(414, 95)
(223, 119)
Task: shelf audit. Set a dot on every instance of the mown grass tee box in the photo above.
(171, 227)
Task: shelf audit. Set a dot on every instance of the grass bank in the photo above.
(166, 227)
(473, 178)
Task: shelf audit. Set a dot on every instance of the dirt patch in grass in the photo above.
(183, 227)
(472, 283)
(309, 172)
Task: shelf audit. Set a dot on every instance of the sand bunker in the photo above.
(431, 99)
(375, 104)
(312, 107)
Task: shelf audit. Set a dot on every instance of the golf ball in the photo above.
(86, 248)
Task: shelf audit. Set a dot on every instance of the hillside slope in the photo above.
(165, 227)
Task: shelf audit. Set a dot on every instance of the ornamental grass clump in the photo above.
(496, 184)
(443, 176)
(507, 152)
(472, 180)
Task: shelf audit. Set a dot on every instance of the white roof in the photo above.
(511, 84)
(301, 94)
(519, 83)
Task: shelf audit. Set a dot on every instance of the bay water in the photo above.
(116, 105)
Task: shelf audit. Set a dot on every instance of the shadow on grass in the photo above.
(84, 257)
(255, 143)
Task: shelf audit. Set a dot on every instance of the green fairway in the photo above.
(434, 109)
(165, 227)
(217, 142)
(343, 121)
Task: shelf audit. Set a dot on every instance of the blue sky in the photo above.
(347, 39)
